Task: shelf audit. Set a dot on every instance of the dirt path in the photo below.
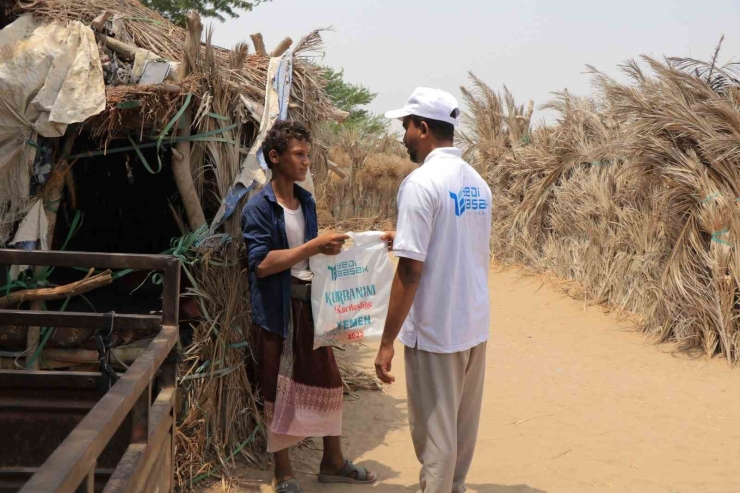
(575, 402)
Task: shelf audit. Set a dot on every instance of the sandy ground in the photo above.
(575, 401)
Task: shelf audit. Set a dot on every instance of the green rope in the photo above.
(171, 124)
(43, 275)
(196, 138)
(47, 331)
(218, 117)
(716, 237)
(142, 158)
(713, 196)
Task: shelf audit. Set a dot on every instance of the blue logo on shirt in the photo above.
(468, 199)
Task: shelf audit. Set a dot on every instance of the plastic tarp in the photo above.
(50, 77)
(31, 235)
(254, 172)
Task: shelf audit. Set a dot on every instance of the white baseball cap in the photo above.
(429, 103)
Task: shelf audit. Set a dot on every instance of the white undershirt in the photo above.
(295, 229)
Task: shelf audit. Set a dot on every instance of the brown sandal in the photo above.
(344, 475)
(288, 486)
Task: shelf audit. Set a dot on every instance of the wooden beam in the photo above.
(59, 292)
(181, 167)
(86, 259)
(99, 22)
(81, 320)
(255, 109)
(336, 169)
(259, 44)
(139, 458)
(29, 379)
(339, 116)
(81, 356)
(281, 48)
(126, 50)
(69, 464)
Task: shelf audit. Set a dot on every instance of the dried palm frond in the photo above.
(375, 169)
(632, 194)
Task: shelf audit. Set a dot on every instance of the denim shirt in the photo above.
(263, 228)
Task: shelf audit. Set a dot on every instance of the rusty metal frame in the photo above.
(147, 464)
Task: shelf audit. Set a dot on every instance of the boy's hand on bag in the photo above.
(389, 237)
(330, 243)
(383, 363)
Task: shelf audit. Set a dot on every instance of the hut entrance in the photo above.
(124, 208)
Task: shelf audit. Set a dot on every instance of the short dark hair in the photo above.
(441, 130)
(279, 136)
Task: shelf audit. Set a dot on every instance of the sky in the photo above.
(533, 47)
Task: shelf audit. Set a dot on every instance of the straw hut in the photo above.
(121, 132)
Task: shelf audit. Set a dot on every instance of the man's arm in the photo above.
(405, 284)
(280, 260)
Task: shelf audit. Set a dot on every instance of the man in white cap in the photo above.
(439, 307)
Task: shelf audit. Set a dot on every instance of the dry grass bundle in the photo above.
(632, 194)
(242, 73)
(367, 197)
(155, 105)
(139, 25)
(222, 420)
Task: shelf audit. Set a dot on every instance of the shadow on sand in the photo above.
(368, 420)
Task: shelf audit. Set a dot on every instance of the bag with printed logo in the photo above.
(350, 291)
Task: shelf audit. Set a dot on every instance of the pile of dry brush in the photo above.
(373, 168)
(633, 194)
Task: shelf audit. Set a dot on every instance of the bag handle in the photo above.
(364, 238)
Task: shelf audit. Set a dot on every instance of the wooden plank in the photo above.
(27, 379)
(161, 409)
(42, 404)
(137, 454)
(171, 294)
(123, 477)
(30, 471)
(140, 417)
(68, 465)
(91, 480)
(153, 478)
(81, 320)
(13, 478)
(168, 379)
(154, 451)
(168, 471)
(84, 259)
(139, 457)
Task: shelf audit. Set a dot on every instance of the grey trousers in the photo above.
(445, 393)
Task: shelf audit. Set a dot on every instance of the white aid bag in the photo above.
(350, 291)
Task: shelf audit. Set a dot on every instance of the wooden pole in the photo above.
(181, 167)
(281, 48)
(126, 50)
(339, 116)
(52, 197)
(336, 169)
(46, 294)
(99, 22)
(259, 44)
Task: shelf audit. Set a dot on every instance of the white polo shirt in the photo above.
(444, 220)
